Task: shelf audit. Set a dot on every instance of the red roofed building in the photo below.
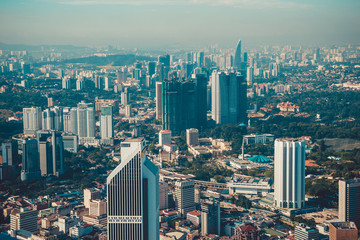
(194, 217)
(247, 232)
(288, 107)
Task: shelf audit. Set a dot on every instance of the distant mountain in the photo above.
(114, 60)
(23, 47)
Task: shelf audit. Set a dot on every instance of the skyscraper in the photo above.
(158, 91)
(210, 218)
(30, 160)
(163, 195)
(133, 195)
(185, 196)
(179, 106)
(106, 125)
(85, 120)
(51, 152)
(349, 204)
(9, 152)
(289, 171)
(31, 120)
(201, 82)
(52, 119)
(250, 75)
(237, 58)
(228, 98)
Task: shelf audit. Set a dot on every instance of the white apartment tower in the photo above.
(133, 195)
(289, 171)
(32, 120)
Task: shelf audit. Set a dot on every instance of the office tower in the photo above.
(73, 127)
(250, 76)
(163, 195)
(133, 195)
(200, 59)
(71, 143)
(201, 100)
(289, 171)
(185, 201)
(210, 218)
(108, 83)
(228, 98)
(164, 60)
(24, 220)
(106, 125)
(97, 208)
(32, 120)
(192, 137)
(9, 153)
(317, 54)
(90, 194)
(151, 68)
(98, 82)
(85, 120)
(125, 97)
(50, 102)
(179, 106)
(158, 90)
(303, 232)
(30, 160)
(128, 111)
(52, 119)
(237, 58)
(80, 84)
(51, 152)
(343, 230)
(349, 201)
(47, 119)
(164, 137)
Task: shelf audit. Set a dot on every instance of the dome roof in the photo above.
(259, 159)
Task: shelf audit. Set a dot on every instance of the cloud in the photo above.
(255, 4)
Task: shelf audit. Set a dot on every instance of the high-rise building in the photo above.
(85, 120)
(289, 171)
(89, 195)
(125, 97)
(151, 68)
(349, 204)
(80, 84)
(192, 137)
(133, 195)
(343, 230)
(71, 143)
(201, 82)
(164, 137)
(52, 119)
(66, 83)
(210, 218)
(185, 196)
(229, 101)
(31, 120)
(106, 125)
(249, 76)
(24, 220)
(97, 208)
(237, 58)
(51, 152)
(30, 160)
(179, 106)
(163, 195)
(158, 91)
(303, 232)
(9, 153)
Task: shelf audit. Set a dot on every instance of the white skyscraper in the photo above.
(106, 125)
(32, 120)
(164, 137)
(289, 172)
(133, 195)
(85, 120)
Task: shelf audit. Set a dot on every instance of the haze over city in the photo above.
(171, 23)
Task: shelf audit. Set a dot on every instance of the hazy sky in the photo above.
(194, 23)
